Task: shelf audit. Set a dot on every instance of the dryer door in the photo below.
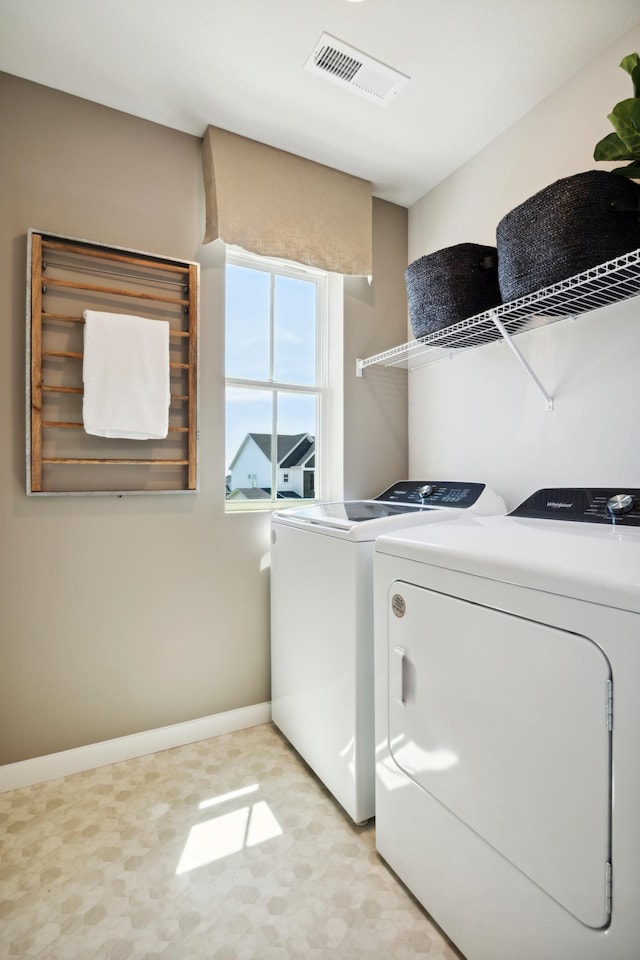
(503, 721)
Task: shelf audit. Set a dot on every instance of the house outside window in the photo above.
(277, 405)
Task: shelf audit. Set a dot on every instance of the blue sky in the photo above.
(247, 353)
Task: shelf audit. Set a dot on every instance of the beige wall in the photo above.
(375, 428)
(478, 415)
(125, 614)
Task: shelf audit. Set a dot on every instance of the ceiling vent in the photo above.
(339, 62)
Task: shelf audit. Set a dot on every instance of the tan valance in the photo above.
(279, 205)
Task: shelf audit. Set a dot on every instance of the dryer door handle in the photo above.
(397, 678)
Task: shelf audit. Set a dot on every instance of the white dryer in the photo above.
(508, 725)
(322, 623)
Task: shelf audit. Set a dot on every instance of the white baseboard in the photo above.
(54, 765)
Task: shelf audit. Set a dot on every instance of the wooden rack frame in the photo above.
(65, 277)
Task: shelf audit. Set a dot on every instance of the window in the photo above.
(277, 397)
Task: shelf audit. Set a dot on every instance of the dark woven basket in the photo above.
(570, 226)
(450, 285)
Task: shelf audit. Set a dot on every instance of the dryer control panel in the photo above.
(620, 505)
(433, 493)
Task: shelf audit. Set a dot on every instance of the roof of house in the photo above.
(298, 454)
(292, 447)
(262, 493)
(251, 493)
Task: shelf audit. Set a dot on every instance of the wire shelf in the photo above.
(598, 287)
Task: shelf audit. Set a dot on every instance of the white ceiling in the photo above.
(476, 66)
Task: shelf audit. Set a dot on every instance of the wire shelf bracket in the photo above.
(532, 376)
(600, 286)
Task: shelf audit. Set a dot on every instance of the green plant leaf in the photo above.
(632, 64)
(624, 144)
(632, 171)
(611, 147)
(622, 121)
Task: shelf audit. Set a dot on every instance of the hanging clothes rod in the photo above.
(112, 291)
(68, 318)
(98, 460)
(48, 388)
(110, 273)
(75, 425)
(174, 365)
(77, 248)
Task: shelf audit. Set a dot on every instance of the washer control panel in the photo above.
(589, 504)
(433, 493)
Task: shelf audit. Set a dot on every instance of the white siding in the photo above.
(251, 462)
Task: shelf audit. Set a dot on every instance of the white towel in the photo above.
(126, 376)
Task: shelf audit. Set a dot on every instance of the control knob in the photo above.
(426, 491)
(620, 504)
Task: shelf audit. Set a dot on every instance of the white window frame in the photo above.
(328, 387)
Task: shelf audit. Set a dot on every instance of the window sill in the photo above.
(263, 506)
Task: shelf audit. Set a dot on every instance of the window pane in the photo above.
(247, 319)
(297, 418)
(295, 331)
(248, 443)
(272, 331)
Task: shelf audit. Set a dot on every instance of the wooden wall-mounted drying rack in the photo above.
(66, 277)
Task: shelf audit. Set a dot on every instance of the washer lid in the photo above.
(357, 519)
(405, 504)
(592, 562)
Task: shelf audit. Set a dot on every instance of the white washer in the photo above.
(507, 658)
(322, 624)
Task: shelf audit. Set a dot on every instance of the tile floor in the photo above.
(228, 849)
